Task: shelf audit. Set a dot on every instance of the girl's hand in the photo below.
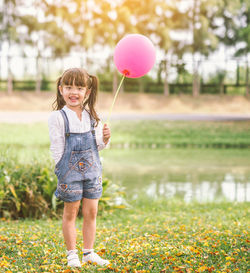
(106, 133)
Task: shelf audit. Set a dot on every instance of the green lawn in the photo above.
(30, 141)
(149, 236)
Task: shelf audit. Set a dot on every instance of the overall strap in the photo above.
(92, 123)
(66, 122)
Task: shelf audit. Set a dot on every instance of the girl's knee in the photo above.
(70, 210)
(89, 213)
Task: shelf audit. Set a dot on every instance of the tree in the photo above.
(114, 22)
(205, 40)
(154, 19)
(47, 35)
(233, 31)
(243, 37)
(9, 15)
(171, 18)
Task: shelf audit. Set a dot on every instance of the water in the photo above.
(202, 175)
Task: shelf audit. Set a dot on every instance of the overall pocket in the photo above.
(81, 161)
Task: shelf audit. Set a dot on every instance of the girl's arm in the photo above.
(56, 135)
(99, 137)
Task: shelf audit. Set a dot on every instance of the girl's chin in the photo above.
(72, 104)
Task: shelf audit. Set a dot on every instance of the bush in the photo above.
(27, 191)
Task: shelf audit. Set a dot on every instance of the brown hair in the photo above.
(78, 77)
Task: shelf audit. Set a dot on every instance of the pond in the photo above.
(189, 174)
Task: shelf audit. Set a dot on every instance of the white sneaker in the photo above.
(73, 259)
(94, 258)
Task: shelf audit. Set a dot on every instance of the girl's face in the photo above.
(74, 96)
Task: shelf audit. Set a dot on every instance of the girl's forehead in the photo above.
(73, 85)
(74, 81)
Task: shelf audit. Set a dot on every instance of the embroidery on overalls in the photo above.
(64, 186)
(81, 161)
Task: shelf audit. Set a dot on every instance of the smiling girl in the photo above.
(76, 135)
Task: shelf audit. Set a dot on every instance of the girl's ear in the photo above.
(88, 92)
(60, 89)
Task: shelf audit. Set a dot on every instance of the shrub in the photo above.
(27, 191)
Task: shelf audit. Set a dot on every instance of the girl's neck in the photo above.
(77, 110)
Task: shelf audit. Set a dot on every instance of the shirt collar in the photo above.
(66, 108)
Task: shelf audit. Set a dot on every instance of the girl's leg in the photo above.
(70, 212)
(89, 211)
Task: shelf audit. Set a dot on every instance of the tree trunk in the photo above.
(238, 74)
(10, 79)
(166, 86)
(38, 76)
(247, 80)
(196, 80)
(195, 90)
(10, 85)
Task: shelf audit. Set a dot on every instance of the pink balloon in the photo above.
(134, 55)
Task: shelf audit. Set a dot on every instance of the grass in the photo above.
(182, 133)
(149, 236)
(164, 235)
(31, 141)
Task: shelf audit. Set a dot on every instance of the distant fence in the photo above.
(151, 87)
(216, 75)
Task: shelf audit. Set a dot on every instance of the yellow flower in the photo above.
(202, 268)
(206, 244)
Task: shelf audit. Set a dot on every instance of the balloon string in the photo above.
(117, 91)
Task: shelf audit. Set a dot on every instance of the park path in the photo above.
(32, 117)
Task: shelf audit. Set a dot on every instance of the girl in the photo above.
(76, 136)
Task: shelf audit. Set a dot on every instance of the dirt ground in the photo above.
(134, 103)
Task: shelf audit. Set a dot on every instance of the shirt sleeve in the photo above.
(99, 137)
(56, 135)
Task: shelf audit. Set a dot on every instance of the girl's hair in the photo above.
(78, 77)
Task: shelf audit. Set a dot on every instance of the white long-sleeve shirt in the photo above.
(57, 130)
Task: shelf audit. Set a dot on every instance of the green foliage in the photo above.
(217, 77)
(183, 76)
(27, 191)
(113, 196)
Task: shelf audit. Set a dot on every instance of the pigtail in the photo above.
(59, 101)
(92, 84)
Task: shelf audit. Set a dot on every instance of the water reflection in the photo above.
(229, 189)
(188, 174)
(202, 187)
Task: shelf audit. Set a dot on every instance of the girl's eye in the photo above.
(68, 87)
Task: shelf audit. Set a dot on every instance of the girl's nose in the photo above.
(74, 90)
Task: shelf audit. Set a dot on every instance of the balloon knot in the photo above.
(125, 72)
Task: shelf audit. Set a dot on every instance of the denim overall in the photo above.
(79, 171)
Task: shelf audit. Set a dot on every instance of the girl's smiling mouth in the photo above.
(73, 98)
